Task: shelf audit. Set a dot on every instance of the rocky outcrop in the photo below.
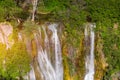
(6, 31)
(100, 60)
(73, 57)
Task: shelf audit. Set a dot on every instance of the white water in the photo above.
(46, 42)
(58, 57)
(30, 75)
(48, 70)
(89, 64)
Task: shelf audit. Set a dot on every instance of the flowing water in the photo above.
(30, 75)
(49, 56)
(89, 63)
(50, 70)
(58, 57)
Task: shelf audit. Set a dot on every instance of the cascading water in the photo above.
(58, 57)
(89, 63)
(49, 70)
(30, 75)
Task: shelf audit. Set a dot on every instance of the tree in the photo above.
(34, 3)
(17, 61)
(8, 9)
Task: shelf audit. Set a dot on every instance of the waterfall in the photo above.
(58, 57)
(49, 70)
(89, 63)
(30, 75)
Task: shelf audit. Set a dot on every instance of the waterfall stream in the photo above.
(48, 52)
(30, 75)
(49, 70)
(58, 57)
(89, 63)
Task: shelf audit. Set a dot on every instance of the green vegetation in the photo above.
(104, 11)
(29, 28)
(106, 15)
(2, 57)
(73, 14)
(8, 10)
(111, 41)
(14, 62)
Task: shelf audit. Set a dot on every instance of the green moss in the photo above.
(74, 62)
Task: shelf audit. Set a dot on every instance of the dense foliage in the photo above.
(103, 10)
(14, 62)
(106, 15)
(8, 9)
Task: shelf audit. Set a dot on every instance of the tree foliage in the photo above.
(103, 10)
(106, 15)
(14, 62)
(8, 9)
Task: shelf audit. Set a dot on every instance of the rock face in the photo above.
(45, 44)
(5, 31)
(45, 50)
